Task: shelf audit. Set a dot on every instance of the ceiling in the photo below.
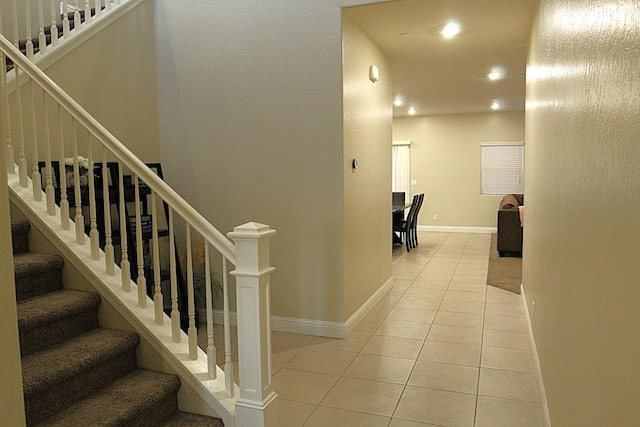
(434, 75)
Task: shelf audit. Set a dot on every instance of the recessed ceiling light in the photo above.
(494, 75)
(450, 30)
(495, 105)
(411, 111)
(397, 102)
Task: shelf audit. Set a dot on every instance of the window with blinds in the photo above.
(502, 168)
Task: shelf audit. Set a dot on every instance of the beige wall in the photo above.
(118, 85)
(582, 186)
(445, 162)
(367, 138)
(251, 130)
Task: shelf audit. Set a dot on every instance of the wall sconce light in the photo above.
(374, 73)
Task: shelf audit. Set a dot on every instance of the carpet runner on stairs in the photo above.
(74, 372)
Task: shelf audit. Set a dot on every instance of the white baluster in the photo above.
(48, 180)
(6, 119)
(42, 38)
(94, 236)
(87, 12)
(36, 178)
(22, 161)
(15, 24)
(142, 281)
(192, 332)
(157, 293)
(228, 364)
(109, 257)
(98, 7)
(125, 266)
(66, 25)
(62, 179)
(175, 313)
(107, 5)
(54, 24)
(29, 44)
(79, 217)
(211, 347)
(77, 20)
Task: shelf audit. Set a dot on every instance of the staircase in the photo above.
(75, 372)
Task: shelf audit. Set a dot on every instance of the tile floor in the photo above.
(441, 349)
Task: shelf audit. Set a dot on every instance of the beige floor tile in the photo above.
(469, 320)
(434, 277)
(512, 310)
(456, 295)
(505, 323)
(446, 352)
(457, 334)
(281, 358)
(471, 280)
(281, 341)
(437, 407)
(420, 303)
(492, 412)
(354, 342)
(395, 422)
(462, 306)
(500, 296)
(425, 292)
(505, 339)
(404, 275)
(368, 325)
(371, 397)
(508, 385)
(412, 315)
(292, 414)
(398, 328)
(380, 368)
(333, 362)
(444, 376)
(430, 284)
(324, 417)
(480, 286)
(506, 359)
(381, 345)
(302, 386)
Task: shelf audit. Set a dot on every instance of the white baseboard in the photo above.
(452, 229)
(320, 328)
(536, 363)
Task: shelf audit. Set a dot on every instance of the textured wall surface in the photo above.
(582, 191)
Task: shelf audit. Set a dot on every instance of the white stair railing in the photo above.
(57, 124)
(39, 27)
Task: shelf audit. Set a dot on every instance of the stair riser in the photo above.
(20, 243)
(41, 404)
(45, 336)
(38, 284)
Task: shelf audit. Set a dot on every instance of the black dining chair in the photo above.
(409, 226)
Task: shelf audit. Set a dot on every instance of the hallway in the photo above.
(441, 349)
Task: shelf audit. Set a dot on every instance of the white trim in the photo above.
(402, 142)
(546, 419)
(319, 328)
(455, 229)
(485, 144)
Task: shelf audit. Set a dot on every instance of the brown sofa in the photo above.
(509, 229)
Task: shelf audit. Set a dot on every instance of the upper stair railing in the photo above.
(39, 27)
(43, 127)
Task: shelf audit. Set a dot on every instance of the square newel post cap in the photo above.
(252, 246)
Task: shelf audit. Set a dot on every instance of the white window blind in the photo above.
(502, 167)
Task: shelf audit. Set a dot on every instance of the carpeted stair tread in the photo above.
(56, 316)
(70, 358)
(184, 419)
(29, 264)
(129, 401)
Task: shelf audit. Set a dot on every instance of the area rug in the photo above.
(504, 272)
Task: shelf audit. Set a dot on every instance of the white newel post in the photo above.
(252, 275)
